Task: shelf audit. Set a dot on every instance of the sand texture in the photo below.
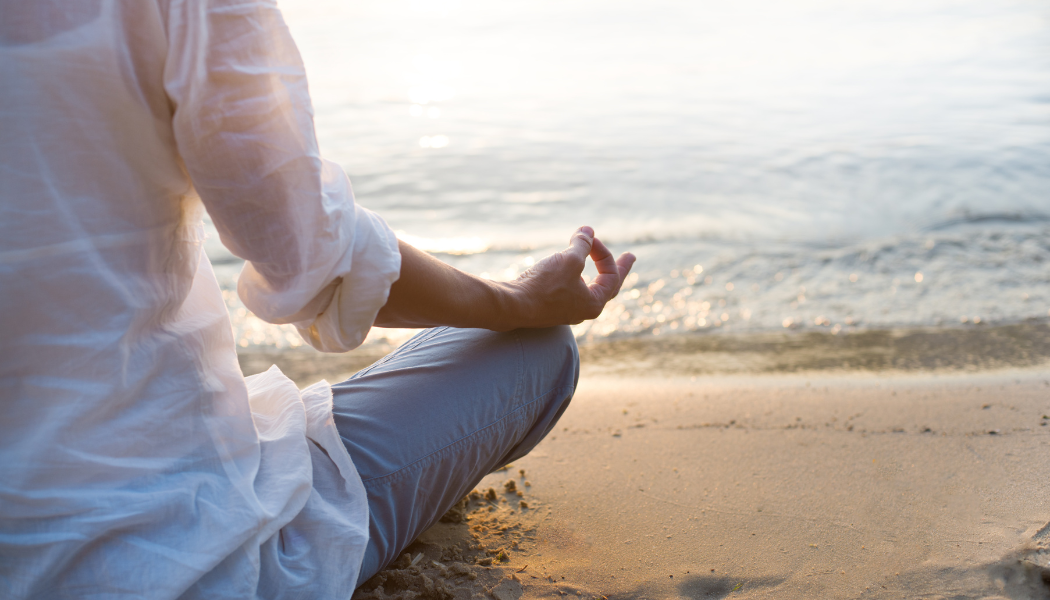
(471, 552)
(869, 464)
(765, 486)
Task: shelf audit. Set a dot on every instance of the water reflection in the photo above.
(433, 141)
(775, 164)
(449, 246)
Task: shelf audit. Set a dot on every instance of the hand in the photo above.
(553, 291)
(430, 293)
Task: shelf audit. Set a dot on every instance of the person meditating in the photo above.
(135, 459)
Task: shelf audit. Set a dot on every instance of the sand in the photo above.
(777, 486)
(900, 464)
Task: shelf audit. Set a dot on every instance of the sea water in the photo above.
(802, 164)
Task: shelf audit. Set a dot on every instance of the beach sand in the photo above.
(800, 486)
(859, 483)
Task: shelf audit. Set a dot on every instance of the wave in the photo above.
(967, 218)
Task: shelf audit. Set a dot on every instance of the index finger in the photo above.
(607, 283)
(602, 257)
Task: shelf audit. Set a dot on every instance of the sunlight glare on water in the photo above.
(831, 165)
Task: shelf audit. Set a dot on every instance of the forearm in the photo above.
(430, 293)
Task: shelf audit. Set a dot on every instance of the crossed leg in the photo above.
(424, 424)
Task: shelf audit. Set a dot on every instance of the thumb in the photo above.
(580, 244)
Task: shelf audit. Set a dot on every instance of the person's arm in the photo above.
(429, 292)
(243, 125)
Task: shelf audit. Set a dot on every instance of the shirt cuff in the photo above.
(375, 264)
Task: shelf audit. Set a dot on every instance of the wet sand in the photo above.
(806, 486)
(832, 483)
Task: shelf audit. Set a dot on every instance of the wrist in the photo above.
(511, 306)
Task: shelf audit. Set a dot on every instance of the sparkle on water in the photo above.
(807, 164)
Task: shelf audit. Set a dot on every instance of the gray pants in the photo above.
(424, 424)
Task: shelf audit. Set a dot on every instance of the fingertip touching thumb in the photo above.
(581, 241)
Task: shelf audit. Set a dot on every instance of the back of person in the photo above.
(135, 460)
(129, 461)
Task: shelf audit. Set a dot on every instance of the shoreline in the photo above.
(927, 349)
(969, 349)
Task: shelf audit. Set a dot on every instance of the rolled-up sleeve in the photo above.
(243, 124)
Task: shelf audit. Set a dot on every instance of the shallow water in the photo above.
(799, 164)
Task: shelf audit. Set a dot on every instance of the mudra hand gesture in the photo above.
(552, 292)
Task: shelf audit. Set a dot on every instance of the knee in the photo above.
(552, 351)
(564, 342)
(552, 369)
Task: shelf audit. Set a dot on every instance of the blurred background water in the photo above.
(812, 164)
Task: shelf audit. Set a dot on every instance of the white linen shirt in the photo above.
(135, 459)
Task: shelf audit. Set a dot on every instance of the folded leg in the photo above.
(424, 424)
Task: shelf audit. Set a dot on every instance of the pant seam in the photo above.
(519, 389)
